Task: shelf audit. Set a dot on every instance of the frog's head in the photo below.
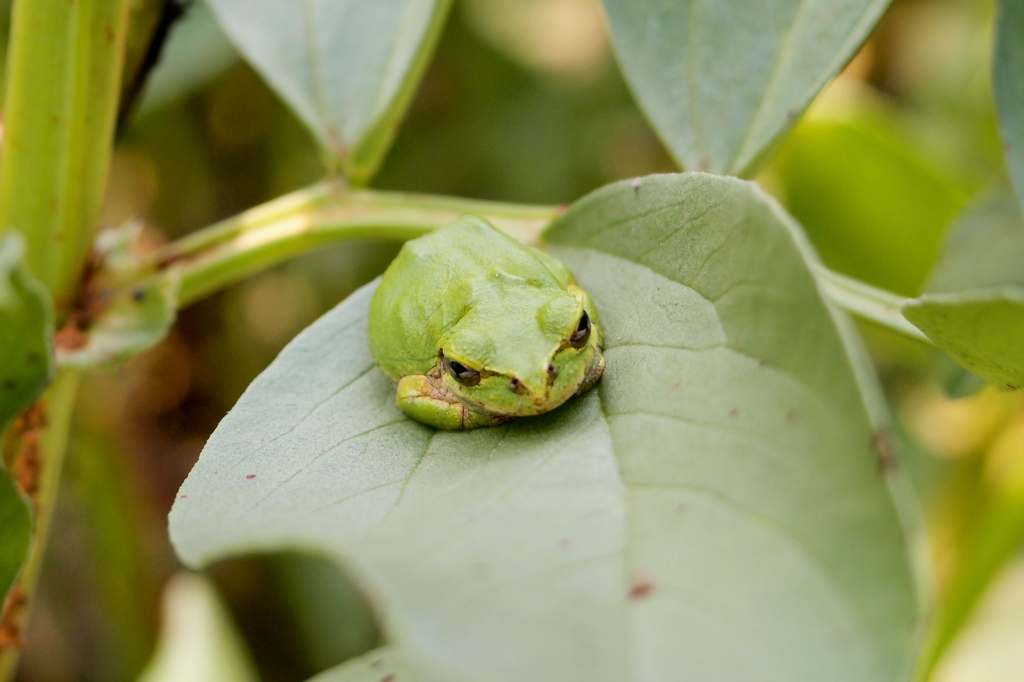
(523, 355)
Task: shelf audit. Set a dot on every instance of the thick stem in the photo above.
(325, 213)
(63, 81)
(877, 305)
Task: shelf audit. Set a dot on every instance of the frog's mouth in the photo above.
(522, 401)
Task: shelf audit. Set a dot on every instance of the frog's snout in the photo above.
(539, 395)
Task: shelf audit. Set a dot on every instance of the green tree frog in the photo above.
(477, 329)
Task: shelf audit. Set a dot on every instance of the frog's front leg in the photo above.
(426, 399)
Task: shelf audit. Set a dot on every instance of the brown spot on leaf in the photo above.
(642, 585)
(735, 412)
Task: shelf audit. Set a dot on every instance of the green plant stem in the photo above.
(327, 212)
(877, 305)
(57, 404)
(63, 80)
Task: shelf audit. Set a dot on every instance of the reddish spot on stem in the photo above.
(251, 476)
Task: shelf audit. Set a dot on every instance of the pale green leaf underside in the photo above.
(1008, 86)
(346, 67)
(713, 511)
(983, 329)
(385, 663)
(722, 80)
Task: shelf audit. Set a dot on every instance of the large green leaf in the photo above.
(26, 327)
(348, 68)
(717, 509)
(722, 80)
(983, 329)
(1008, 85)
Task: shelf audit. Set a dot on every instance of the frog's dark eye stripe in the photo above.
(581, 335)
(462, 374)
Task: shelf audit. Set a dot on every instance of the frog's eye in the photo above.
(462, 374)
(581, 335)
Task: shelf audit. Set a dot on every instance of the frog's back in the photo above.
(435, 280)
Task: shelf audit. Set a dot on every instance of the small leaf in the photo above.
(26, 327)
(134, 320)
(347, 68)
(983, 329)
(1008, 84)
(15, 533)
(130, 319)
(722, 81)
(198, 640)
(704, 511)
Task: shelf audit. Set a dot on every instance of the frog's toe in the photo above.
(424, 401)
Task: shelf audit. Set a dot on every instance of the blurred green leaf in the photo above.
(1008, 85)
(198, 641)
(347, 68)
(333, 621)
(722, 81)
(984, 248)
(992, 538)
(873, 208)
(989, 649)
(723, 479)
(15, 533)
(197, 51)
(983, 329)
(26, 327)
